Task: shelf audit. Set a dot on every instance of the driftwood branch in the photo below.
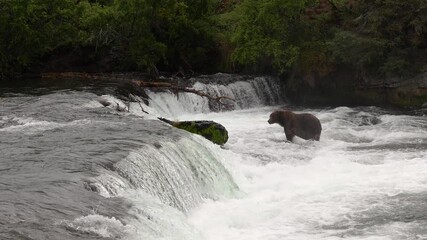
(142, 109)
(175, 88)
(137, 82)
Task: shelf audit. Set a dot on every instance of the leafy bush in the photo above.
(386, 37)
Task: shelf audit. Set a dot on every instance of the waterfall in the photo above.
(165, 179)
(247, 92)
(180, 174)
(76, 168)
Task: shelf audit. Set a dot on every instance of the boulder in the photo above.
(210, 130)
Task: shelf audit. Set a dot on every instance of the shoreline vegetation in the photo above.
(324, 51)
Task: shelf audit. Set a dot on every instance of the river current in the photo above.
(71, 168)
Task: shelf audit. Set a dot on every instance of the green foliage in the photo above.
(314, 59)
(267, 35)
(97, 24)
(380, 37)
(146, 33)
(137, 34)
(401, 26)
(30, 29)
(354, 50)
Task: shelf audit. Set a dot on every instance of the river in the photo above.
(73, 169)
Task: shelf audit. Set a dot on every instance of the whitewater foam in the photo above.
(344, 186)
(250, 93)
(103, 226)
(31, 125)
(297, 190)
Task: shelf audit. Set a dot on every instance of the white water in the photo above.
(363, 180)
(179, 174)
(163, 182)
(256, 92)
(313, 190)
(358, 182)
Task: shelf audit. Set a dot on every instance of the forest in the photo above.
(278, 37)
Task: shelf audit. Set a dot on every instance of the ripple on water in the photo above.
(402, 216)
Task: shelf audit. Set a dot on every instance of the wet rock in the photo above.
(210, 130)
(369, 120)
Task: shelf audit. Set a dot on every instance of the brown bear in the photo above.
(303, 125)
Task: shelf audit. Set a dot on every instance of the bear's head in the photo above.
(280, 117)
(274, 117)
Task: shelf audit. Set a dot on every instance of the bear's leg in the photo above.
(290, 136)
(317, 137)
(290, 133)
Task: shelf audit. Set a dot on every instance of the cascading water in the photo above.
(179, 174)
(115, 174)
(73, 169)
(170, 177)
(182, 174)
(247, 92)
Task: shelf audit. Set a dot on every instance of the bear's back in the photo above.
(307, 126)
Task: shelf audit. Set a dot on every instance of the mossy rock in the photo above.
(210, 130)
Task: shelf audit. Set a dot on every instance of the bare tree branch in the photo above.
(140, 83)
(176, 89)
(142, 109)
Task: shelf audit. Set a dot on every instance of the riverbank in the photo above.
(350, 89)
(343, 88)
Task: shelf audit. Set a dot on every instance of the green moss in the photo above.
(212, 132)
(217, 136)
(190, 127)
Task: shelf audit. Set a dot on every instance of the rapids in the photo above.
(73, 169)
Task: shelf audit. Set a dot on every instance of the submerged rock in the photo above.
(210, 130)
(369, 120)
